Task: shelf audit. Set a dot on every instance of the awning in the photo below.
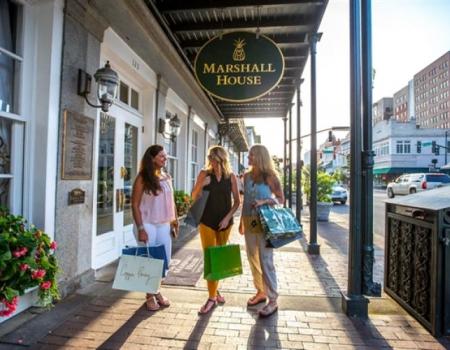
(399, 171)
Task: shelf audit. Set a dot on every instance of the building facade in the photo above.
(52, 142)
(403, 148)
(432, 94)
(382, 110)
(401, 99)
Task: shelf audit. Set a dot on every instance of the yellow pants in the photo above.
(212, 238)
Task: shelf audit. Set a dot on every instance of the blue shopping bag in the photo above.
(156, 252)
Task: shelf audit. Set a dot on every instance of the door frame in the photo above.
(107, 247)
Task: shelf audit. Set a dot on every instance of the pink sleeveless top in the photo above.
(158, 209)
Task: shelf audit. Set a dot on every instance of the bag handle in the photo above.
(148, 251)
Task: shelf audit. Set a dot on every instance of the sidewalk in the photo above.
(310, 316)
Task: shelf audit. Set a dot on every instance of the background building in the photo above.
(382, 109)
(432, 94)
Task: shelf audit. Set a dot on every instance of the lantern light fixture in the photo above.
(170, 127)
(107, 82)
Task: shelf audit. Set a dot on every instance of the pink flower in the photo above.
(37, 274)
(53, 245)
(9, 306)
(46, 285)
(24, 267)
(20, 252)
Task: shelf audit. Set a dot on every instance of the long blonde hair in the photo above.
(219, 154)
(262, 163)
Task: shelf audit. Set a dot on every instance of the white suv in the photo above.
(412, 183)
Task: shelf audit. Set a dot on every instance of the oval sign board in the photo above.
(238, 67)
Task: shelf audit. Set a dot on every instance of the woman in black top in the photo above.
(217, 219)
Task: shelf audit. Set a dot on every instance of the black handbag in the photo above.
(194, 215)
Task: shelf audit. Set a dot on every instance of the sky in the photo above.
(407, 35)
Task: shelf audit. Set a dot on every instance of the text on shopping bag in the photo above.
(139, 274)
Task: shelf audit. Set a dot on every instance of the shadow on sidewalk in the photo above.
(197, 332)
(264, 333)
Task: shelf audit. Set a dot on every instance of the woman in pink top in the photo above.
(154, 209)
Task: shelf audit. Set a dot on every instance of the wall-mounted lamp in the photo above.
(107, 82)
(170, 127)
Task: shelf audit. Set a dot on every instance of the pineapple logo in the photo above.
(239, 53)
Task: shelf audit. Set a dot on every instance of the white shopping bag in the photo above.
(138, 274)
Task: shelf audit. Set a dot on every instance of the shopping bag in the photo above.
(280, 225)
(222, 261)
(194, 215)
(155, 252)
(138, 274)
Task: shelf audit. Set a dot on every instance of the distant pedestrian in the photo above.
(154, 209)
(261, 186)
(217, 219)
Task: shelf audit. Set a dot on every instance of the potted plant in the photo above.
(183, 202)
(26, 261)
(325, 184)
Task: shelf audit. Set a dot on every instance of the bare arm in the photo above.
(202, 180)
(136, 196)
(236, 202)
(275, 187)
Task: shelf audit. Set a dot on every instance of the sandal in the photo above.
(268, 310)
(219, 298)
(151, 303)
(209, 305)
(162, 301)
(255, 300)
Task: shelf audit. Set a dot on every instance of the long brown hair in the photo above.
(147, 170)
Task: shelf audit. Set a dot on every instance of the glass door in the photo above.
(117, 168)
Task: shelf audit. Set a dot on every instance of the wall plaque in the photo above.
(78, 140)
(76, 196)
(239, 66)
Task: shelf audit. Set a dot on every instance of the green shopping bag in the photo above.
(222, 262)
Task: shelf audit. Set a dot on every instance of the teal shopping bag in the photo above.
(222, 262)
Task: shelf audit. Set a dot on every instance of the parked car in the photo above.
(412, 183)
(339, 194)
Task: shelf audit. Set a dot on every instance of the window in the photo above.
(11, 122)
(407, 147)
(194, 157)
(399, 147)
(128, 95)
(172, 157)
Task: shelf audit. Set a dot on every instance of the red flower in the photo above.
(20, 252)
(53, 245)
(24, 267)
(9, 306)
(37, 274)
(46, 285)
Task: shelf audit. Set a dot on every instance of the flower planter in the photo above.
(323, 211)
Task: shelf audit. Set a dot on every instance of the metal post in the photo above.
(446, 147)
(369, 286)
(298, 183)
(313, 246)
(290, 158)
(353, 302)
(285, 161)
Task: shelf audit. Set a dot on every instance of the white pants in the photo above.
(160, 234)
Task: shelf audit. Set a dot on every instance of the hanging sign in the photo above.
(238, 66)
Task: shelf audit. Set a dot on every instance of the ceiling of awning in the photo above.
(190, 24)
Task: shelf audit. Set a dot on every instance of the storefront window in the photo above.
(11, 123)
(130, 164)
(194, 158)
(105, 177)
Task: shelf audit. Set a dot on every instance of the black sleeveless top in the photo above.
(218, 204)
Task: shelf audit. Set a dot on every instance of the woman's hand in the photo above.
(175, 228)
(206, 181)
(142, 236)
(241, 227)
(224, 223)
